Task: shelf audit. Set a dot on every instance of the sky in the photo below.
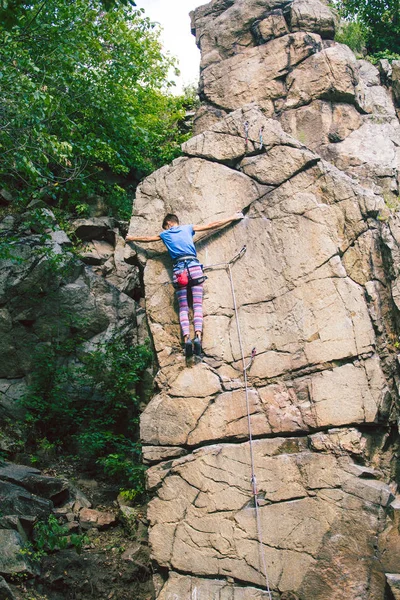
(173, 16)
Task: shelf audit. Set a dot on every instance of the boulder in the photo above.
(321, 122)
(5, 591)
(22, 524)
(223, 29)
(5, 197)
(226, 28)
(12, 560)
(167, 421)
(183, 586)
(312, 15)
(393, 580)
(255, 75)
(10, 391)
(331, 74)
(396, 81)
(96, 252)
(226, 149)
(95, 228)
(77, 501)
(121, 270)
(278, 165)
(15, 500)
(59, 237)
(261, 132)
(51, 488)
(273, 26)
(88, 517)
(369, 73)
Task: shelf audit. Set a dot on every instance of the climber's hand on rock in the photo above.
(237, 216)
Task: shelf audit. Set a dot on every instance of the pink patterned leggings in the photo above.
(197, 295)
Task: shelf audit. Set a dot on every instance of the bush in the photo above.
(91, 406)
(50, 535)
(353, 34)
(386, 54)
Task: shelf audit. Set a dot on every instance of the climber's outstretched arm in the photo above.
(142, 238)
(218, 224)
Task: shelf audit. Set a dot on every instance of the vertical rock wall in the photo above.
(48, 297)
(302, 137)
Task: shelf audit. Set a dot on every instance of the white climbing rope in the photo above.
(228, 266)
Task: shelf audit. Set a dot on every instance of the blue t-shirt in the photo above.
(179, 241)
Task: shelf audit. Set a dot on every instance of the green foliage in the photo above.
(353, 34)
(38, 221)
(128, 495)
(49, 536)
(83, 102)
(385, 54)
(90, 406)
(12, 10)
(380, 20)
(392, 202)
(126, 466)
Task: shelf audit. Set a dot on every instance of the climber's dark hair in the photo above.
(169, 218)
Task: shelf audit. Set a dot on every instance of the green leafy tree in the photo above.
(378, 19)
(11, 10)
(353, 34)
(84, 104)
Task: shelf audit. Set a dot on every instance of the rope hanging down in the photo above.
(246, 133)
(228, 266)
(261, 137)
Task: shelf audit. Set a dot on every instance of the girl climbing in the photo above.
(187, 271)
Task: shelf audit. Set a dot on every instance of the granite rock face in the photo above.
(280, 55)
(47, 295)
(302, 137)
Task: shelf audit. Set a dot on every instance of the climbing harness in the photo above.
(184, 277)
(246, 133)
(245, 368)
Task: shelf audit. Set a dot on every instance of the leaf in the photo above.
(83, 97)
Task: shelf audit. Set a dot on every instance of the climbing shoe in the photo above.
(197, 346)
(188, 349)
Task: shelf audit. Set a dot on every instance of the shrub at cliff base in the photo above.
(89, 408)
